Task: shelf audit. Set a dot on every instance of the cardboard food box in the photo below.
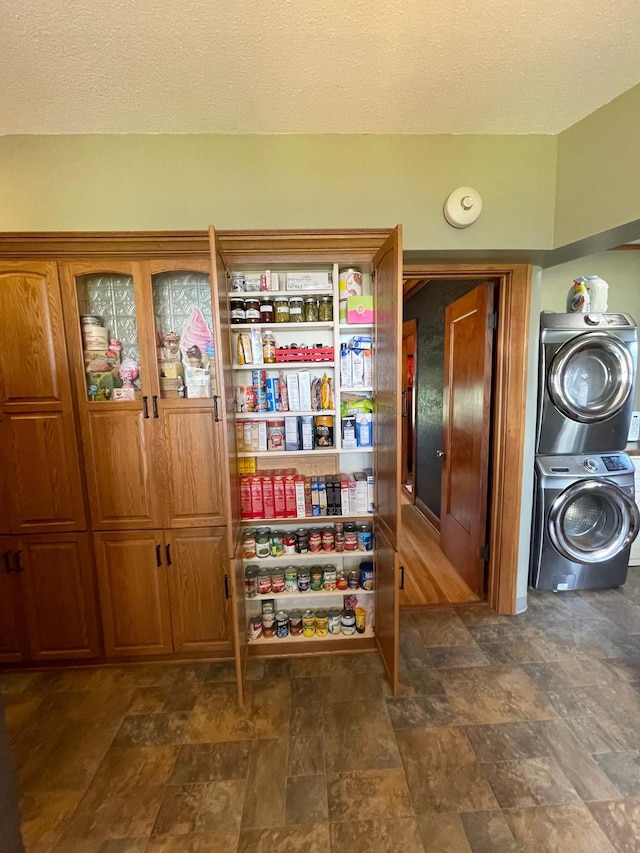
(360, 309)
(309, 281)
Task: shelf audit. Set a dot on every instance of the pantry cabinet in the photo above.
(306, 437)
(49, 597)
(163, 592)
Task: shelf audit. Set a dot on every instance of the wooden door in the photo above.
(226, 409)
(466, 433)
(5, 488)
(122, 476)
(194, 478)
(59, 596)
(13, 639)
(134, 595)
(408, 407)
(43, 472)
(387, 291)
(197, 566)
(33, 367)
(388, 574)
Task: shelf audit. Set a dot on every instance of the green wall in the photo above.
(598, 183)
(103, 183)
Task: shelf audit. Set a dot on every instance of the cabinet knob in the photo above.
(158, 556)
(440, 454)
(145, 407)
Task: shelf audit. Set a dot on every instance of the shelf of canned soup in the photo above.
(348, 539)
(350, 617)
(315, 580)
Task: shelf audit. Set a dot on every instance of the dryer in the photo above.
(584, 521)
(586, 382)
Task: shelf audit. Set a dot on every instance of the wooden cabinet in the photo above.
(39, 463)
(162, 593)
(49, 597)
(311, 261)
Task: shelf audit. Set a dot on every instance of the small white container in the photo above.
(598, 291)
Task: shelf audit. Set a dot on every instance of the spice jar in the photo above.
(296, 304)
(252, 310)
(268, 347)
(267, 313)
(325, 309)
(281, 306)
(236, 307)
(310, 309)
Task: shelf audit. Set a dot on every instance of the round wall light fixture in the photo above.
(463, 207)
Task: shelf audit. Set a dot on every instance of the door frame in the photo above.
(506, 470)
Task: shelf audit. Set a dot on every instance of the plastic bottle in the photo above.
(578, 301)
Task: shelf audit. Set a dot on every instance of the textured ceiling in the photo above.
(329, 66)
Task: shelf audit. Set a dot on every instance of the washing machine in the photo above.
(584, 521)
(586, 382)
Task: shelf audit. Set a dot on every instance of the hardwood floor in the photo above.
(429, 577)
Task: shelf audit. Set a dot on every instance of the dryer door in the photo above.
(591, 377)
(592, 521)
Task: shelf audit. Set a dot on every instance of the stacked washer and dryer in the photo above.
(584, 514)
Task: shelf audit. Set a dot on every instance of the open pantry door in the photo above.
(387, 298)
(225, 404)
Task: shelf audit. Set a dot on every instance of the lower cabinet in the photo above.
(163, 591)
(47, 598)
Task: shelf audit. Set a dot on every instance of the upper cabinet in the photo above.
(146, 374)
(41, 488)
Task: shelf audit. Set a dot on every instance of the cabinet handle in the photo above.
(154, 402)
(216, 416)
(145, 407)
(226, 587)
(7, 562)
(158, 556)
(401, 577)
(168, 551)
(18, 568)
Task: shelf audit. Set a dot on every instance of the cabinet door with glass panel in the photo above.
(110, 333)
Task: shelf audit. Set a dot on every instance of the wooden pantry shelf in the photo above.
(303, 326)
(273, 416)
(308, 598)
(369, 634)
(286, 365)
(316, 556)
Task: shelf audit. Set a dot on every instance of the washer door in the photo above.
(592, 521)
(591, 377)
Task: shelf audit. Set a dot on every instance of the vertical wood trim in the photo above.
(509, 407)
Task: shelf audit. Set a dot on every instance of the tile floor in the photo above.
(510, 734)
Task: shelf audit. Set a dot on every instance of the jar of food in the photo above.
(366, 576)
(339, 541)
(328, 539)
(352, 579)
(237, 311)
(348, 622)
(317, 578)
(308, 623)
(304, 580)
(264, 581)
(277, 580)
(325, 309)
(322, 623)
(342, 580)
(268, 347)
(296, 309)
(282, 624)
(350, 282)
(249, 543)
(252, 310)
(330, 579)
(289, 542)
(267, 312)
(361, 620)
(237, 281)
(295, 623)
(334, 621)
(364, 533)
(310, 309)
(251, 581)
(275, 435)
(315, 540)
(255, 627)
(281, 306)
(263, 543)
(302, 541)
(291, 579)
(324, 430)
(350, 537)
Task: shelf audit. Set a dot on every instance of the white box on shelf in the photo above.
(304, 389)
(293, 392)
(309, 281)
(256, 346)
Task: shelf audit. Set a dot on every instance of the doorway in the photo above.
(512, 293)
(408, 407)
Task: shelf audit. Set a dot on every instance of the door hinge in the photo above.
(492, 321)
(484, 552)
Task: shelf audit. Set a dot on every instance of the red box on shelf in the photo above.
(268, 497)
(257, 502)
(279, 502)
(307, 354)
(290, 493)
(246, 510)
